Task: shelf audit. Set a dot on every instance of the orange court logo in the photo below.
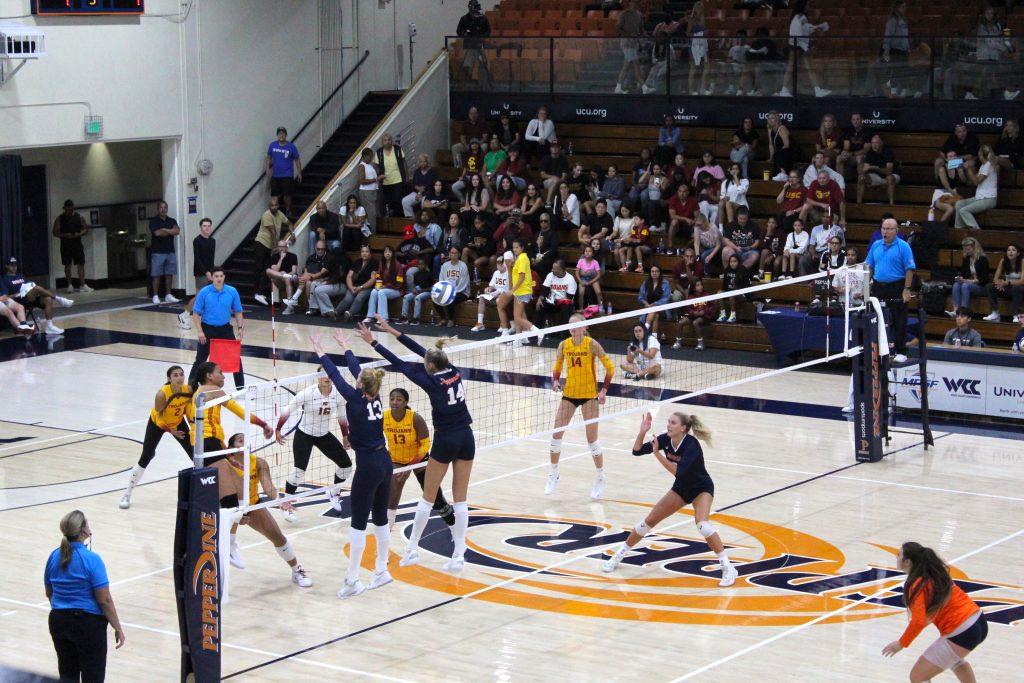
(786, 577)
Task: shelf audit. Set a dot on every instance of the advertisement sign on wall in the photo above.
(996, 391)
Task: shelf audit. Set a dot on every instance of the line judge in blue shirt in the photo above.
(892, 271)
(80, 604)
(215, 305)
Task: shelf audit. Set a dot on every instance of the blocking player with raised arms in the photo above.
(454, 443)
(318, 405)
(679, 451)
(210, 381)
(372, 481)
(409, 443)
(578, 353)
(169, 415)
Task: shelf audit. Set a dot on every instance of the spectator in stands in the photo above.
(639, 241)
(389, 284)
(427, 227)
(744, 145)
(987, 181)
(522, 289)
(819, 164)
(707, 240)
(493, 160)
(818, 244)
(12, 310)
(495, 292)
(709, 196)
(284, 168)
(742, 238)
(685, 272)
(354, 227)
(896, 50)
(681, 211)
(973, 276)
(513, 229)
(630, 27)
(418, 285)
(829, 142)
(274, 226)
(69, 227)
(762, 52)
(670, 141)
(436, 200)
(879, 168)
(800, 31)
(852, 278)
(892, 272)
(679, 173)
(362, 277)
(1006, 284)
(952, 57)
(654, 291)
(368, 176)
(477, 200)
(505, 199)
(952, 177)
(990, 49)
(315, 270)
(415, 251)
(163, 262)
(473, 128)
(963, 334)
(558, 293)
(455, 235)
(507, 133)
(540, 133)
(591, 190)
(1018, 341)
(332, 284)
(598, 225)
(698, 316)
(771, 249)
(619, 242)
(791, 199)
(824, 196)
(741, 73)
(735, 277)
(422, 180)
(204, 251)
(391, 161)
(1009, 149)
(709, 165)
(554, 169)
(18, 294)
(734, 194)
(651, 201)
(547, 247)
(834, 258)
(796, 248)
(480, 249)
(474, 28)
(577, 181)
(473, 164)
(283, 272)
(781, 147)
(513, 168)
(964, 143)
(856, 143)
(532, 206)
(643, 355)
(325, 226)
(699, 64)
(664, 50)
(589, 273)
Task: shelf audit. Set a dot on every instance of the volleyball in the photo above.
(442, 293)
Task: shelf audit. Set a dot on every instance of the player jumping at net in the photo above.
(931, 596)
(454, 443)
(210, 379)
(231, 484)
(409, 444)
(578, 354)
(372, 482)
(679, 451)
(319, 404)
(170, 415)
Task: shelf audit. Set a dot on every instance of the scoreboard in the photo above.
(87, 7)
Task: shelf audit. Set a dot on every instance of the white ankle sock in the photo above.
(479, 318)
(357, 539)
(135, 477)
(392, 515)
(600, 473)
(234, 540)
(419, 522)
(459, 530)
(383, 536)
(554, 468)
(723, 557)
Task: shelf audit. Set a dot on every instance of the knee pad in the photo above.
(941, 654)
(641, 529)
(706, 529)
(595, 448)
(556, 445)
(296, 477)
(286, 552)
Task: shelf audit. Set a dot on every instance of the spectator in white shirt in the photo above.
(819, 241)
(734, 193)
(800, 30)
(496, 292)
(987, 180)
(793, 252)
(558, 298)
(818, 164)
(643, 355)
(540, 132)
(567, 208)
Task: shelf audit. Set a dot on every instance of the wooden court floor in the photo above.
(814, 534)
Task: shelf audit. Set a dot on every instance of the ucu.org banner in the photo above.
(992, 390)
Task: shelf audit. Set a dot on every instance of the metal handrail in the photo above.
(263, 175)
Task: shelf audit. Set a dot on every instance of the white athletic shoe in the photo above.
(171, 299)
(289, 308)
(822, 92)
(260, 299)
(334, 498)
(648, 91)
(290, 516)
(619, 90)
(992, 317)
(552, 484)
(597, 490)
(156, 299)
(63, 302)
(479, 327)
(300, 577)
(71, 289)
(899, 358)
(729, 575)
(380, 579)
(26, 326)
(53, 329)
(235, 557)
(350, 590)
(184, 320)
(85, 288)
(609, 565)
(455, 565)
(126, 501)
(722, 317)
(780, 177)
(784, 93)
(732, 317)
(411, 557)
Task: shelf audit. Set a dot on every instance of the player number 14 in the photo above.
(454, 397)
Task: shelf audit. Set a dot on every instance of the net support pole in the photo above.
(922, 355)
(868, 396)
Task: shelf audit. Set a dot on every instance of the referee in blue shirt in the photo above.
(80, 604)
(215, 305)
(892, 271)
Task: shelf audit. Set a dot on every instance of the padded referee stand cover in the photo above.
(227, 353)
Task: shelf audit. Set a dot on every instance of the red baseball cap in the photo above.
(410, 231)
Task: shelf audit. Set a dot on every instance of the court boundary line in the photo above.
(887, 585)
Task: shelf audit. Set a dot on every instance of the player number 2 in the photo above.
(374, 410)
(454, 397)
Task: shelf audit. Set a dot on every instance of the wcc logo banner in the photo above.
(957, 387)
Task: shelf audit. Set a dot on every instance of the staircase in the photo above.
(316, 174)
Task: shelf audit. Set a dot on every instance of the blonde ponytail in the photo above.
(71, 526)
(695, 426)
(436, 356)
(370, 378)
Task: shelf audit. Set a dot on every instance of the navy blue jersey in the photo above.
(444, 389)
(688, 457)
(11, 284)
(365, 416)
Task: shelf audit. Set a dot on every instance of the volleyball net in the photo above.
(508, 379)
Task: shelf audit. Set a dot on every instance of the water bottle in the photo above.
(661, 245)
(476, 275)
(931, 215)
(608, 308)
(433, 319)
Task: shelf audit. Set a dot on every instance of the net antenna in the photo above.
(18, 45)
